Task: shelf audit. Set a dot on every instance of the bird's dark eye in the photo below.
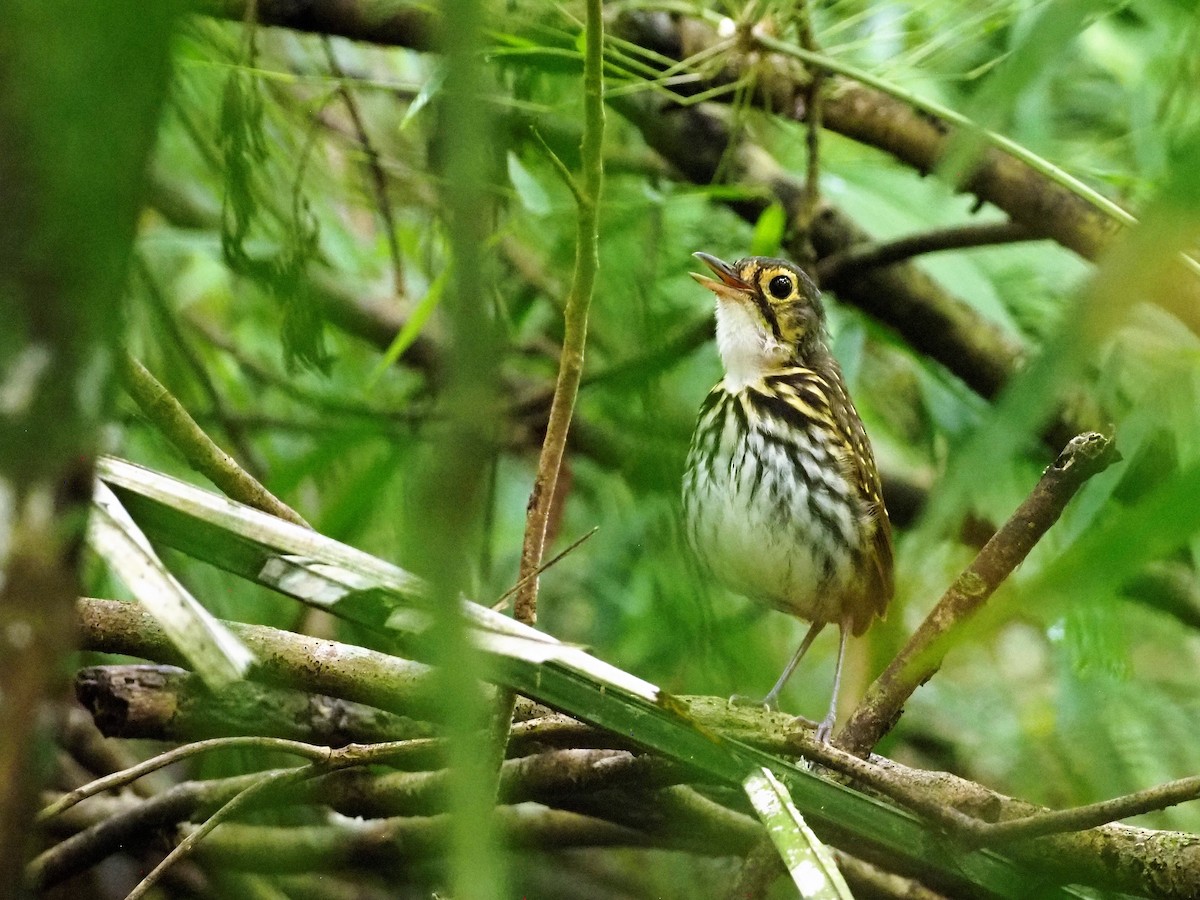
(780, 287)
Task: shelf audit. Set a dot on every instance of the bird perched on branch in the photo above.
(781, 495)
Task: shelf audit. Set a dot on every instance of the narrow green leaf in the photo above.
(529, 191)
(412, 327)
(1033, 56)
(808, 861)
(214, 652)
(428, 91)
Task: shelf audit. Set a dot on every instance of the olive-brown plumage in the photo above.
(781, 496)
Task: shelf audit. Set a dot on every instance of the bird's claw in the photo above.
(825, 730)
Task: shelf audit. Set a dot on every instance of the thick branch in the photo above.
(164, 703)
(282, 658)
(922, 656)
(876, 119)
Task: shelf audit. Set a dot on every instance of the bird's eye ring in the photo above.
(780, 287)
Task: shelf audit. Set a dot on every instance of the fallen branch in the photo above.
(165, 703)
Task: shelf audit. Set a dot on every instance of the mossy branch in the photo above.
(1085, 456)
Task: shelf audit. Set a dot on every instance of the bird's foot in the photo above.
(825, 729)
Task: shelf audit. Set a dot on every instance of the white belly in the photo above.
(764, 530)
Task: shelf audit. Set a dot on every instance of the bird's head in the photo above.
(769, 315)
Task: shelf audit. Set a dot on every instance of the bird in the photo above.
(781, 495)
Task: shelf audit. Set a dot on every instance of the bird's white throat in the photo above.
(748, 349)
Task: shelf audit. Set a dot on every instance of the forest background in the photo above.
(361, 248)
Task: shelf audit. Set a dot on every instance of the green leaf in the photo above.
(768, 231)
(428, 91)
(808, 861)
(529, 191)
(1034, 53)
(407, 334)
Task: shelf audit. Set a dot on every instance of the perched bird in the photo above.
(781, 496)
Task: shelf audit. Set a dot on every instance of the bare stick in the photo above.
(202, 453)
(1085, 456)
(251, 460)
(1094, 814)
(126, 776)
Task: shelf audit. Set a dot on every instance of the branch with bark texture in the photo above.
(1085, 456)
(166, 703)
(1114, 856)
(586, 190)
(871, 117)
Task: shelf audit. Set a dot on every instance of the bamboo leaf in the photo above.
(411, 329)
(216, 654)
(808, 861)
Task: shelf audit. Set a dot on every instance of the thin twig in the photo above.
(560, 167)
(251, 460)
(1094, 814)
(503, 601)
(575, 318)
(887, 253)
(133, 773)
(1085, 456)
(813, 117)
(378, 177)
(185, 847)
(201, 452)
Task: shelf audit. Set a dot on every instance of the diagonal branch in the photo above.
(1085, 456)
(854, 259)
(201, 452)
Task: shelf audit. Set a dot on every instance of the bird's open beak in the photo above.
(727, 283)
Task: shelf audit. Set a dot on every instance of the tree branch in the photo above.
(888, 253)
(1085, 456)
(165, 703)
(1116, 856)
(575, 318)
